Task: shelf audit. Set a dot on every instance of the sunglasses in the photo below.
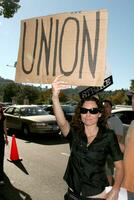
(91, 111)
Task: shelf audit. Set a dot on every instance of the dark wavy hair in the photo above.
(108, 101)
(76, 120)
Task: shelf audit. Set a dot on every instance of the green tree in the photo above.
(9, 7)
(63, 97)
(132, 85)
(119, 97)
(20, 92)
(10, 90)
(73, 98)
(45, 97)
(28, 92)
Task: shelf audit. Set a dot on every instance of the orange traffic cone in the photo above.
(14, 155)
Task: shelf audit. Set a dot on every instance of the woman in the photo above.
(3, 139)
(90, 144)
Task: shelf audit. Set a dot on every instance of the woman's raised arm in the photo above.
(58, 85)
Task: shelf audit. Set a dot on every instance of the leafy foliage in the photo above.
(117, 96)
(45, 97)
(132, 85)
(20, 92)
(10, 90)
(9, 7)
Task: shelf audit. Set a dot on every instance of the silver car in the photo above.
(30, 119)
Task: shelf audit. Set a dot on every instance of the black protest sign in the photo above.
(90, 91)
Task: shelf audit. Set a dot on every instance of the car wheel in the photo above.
(25, 130)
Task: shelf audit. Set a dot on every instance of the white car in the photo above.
(126, 115)
(30, 119)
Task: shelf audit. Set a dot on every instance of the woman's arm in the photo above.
(57, 85)
(119, 173)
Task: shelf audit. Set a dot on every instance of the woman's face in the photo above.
(87, 118)
(107, 108)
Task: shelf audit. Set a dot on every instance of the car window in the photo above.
(16, 111)
(23, 112)
(9, 110)
(125, 116)
(32, 111)
(68, 109)
(49, 109)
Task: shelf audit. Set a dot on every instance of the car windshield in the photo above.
(32, 111)
(68, 109)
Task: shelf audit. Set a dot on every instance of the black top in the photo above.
(85, 171)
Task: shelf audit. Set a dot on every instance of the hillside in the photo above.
(5, 81)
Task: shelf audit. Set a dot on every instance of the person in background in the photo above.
(91, 142)
(128, 181)
(3, 140)
(114, 123)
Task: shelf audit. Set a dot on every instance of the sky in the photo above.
(120, 43)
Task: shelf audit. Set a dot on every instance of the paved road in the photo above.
(39, 175)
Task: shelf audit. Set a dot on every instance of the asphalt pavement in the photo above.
(39, 175)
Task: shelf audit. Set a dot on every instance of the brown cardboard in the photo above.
(73, 44)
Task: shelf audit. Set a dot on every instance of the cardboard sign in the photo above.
(90, 91)
(73, 44)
